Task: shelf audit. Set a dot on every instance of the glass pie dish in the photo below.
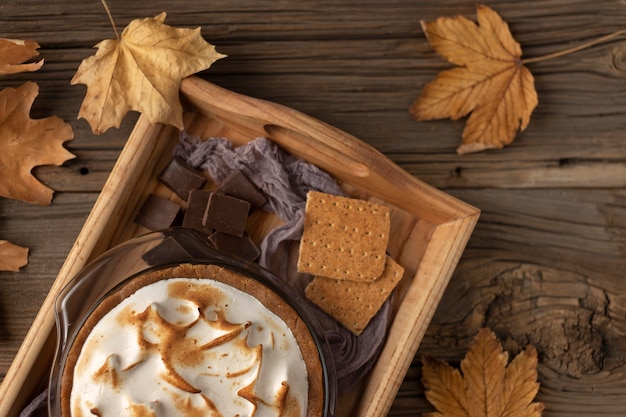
(258, 303)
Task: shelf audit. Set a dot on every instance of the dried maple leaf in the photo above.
(12, 257)
(142, 71)
(13, 52)
(26, 143)
(490, 80)
(487, 387)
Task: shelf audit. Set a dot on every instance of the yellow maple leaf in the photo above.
(26, 143)
(490, 80)
(141, 71)
(12, 257)
(13, 54)
(487, 387)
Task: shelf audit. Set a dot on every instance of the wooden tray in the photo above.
(429, 228)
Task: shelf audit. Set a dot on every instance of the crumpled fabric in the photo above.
(286, 180)
(38, 407)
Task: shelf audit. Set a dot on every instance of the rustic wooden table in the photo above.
(546, 263)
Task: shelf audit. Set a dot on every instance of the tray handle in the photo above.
(315, 151)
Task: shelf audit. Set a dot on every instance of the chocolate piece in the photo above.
(238, 185)
(196, 207)
(158, 213)
(181, 178)
(226, 214)
(242, 247)
(166, 251)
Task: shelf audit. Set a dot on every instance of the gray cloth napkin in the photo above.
(286, 180)
(37, 407)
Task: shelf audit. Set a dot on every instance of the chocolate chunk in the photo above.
(226, 214)
(168, 250)
(238, 185)
(181, 178)
(242, 247)
(196, 207)
(158, 213)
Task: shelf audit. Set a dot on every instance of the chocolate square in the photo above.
(181, 178)
(240, 186)
(242, 247)
(196, 207)
(158, 213)
(226, 214)
(168, 250)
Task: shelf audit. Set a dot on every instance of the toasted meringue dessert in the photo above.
(193, 340)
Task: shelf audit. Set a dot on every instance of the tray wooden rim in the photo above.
(353, 162)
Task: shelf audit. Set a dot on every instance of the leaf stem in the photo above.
(106, 7)
(575, 48)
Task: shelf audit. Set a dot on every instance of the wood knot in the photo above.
(563, 323)
(619, 58)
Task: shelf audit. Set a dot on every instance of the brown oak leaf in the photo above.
(487, 387)
(26, 143)
(489, 81)
(141, 71)
(13, 54)
(12, 257)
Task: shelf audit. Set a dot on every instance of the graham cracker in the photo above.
(351, 303)
(343, 238)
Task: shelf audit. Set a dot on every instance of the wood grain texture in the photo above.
(546, 262)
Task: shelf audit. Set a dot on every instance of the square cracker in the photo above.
(351, 303)
(343, 238)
